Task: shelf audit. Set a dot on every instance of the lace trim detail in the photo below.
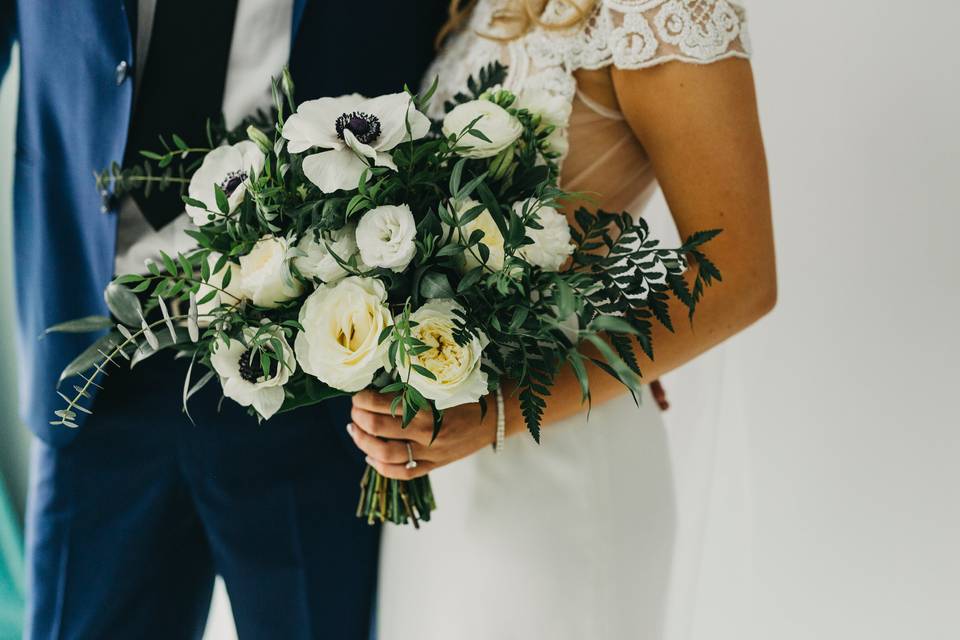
(629, 34)
(634, 34)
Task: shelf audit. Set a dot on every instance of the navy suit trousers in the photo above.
(130, 522)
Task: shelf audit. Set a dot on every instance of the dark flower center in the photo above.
(233, 180)
(365, 127)
(251, 370)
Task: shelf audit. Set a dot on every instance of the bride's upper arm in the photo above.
(700, 127)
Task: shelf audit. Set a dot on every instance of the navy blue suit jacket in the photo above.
(73, 117)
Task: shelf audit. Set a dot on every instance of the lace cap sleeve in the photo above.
(634, 34)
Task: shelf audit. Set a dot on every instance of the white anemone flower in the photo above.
(231, 167)
(241, 373)
(357, 133)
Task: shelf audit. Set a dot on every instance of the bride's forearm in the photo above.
(726, 309)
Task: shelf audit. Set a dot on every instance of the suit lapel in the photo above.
(298, 7)
(132, 9)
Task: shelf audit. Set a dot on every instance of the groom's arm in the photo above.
(8, 30)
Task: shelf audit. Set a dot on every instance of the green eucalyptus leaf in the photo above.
(91, 356)
(181, 337)
(123, 304)
(88, 324)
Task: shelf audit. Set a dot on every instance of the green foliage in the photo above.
(487, 78)
(89, 324)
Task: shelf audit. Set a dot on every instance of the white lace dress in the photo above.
(574, 538)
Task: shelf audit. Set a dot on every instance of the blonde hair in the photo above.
(525, 16)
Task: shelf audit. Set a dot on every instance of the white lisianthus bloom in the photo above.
(496, 123)
(492, 237)
(386, 235)
(241, 373)
(554, 110)
(551, 244)
(317, 261)
(342, 323)
(458, 378)
(231, 167)
(265, 277)
(229, 295)
(356, 132)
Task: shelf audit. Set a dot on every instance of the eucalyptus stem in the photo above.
(66, 414)
(156, 179)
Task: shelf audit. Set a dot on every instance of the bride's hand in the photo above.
(379, 435)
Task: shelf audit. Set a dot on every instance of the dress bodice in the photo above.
(603, 156)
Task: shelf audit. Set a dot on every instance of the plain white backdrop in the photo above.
(850, 410)
(850, 439)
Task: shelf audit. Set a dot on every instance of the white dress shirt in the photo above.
(259, 50)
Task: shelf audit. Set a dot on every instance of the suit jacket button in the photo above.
(108, 201)
(123, 71)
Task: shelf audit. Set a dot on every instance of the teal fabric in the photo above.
(13, 444)
(11, 571)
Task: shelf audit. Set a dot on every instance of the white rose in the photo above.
(241, 373)
(551, 244)
(501, 128)
(231, 167)
(318, 261)
(385, 236)
(458, 378)
(265, 276)
(554, 110)
(342, 323)
(229, 295)
(492, 238)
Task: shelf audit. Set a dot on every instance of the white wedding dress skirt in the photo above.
(571, 538)
(600, 532)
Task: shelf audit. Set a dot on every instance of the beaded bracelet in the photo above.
(501, 423)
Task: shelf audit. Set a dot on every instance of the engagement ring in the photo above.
(411, 463)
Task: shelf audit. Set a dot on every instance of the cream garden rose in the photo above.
(386, 237)
(495, 122)
(241, 373)
(551, 244)
(492, 238)
(458, 378)
(265, 276)
(342, 323)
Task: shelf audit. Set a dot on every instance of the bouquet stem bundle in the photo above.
(397, 501)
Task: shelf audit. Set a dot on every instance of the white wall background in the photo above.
(852, 433)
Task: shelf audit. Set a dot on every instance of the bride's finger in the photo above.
(389, 451)
(373, 401)
(400, 471)
(386, 426)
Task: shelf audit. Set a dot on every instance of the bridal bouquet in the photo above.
(349, 242)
